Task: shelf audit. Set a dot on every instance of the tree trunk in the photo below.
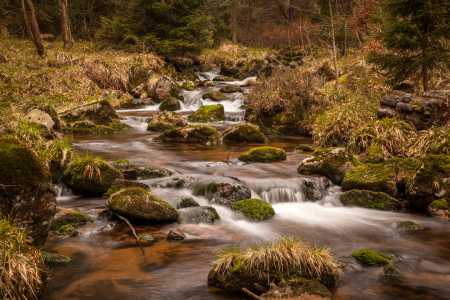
(249, 19)
(234, 20)
(35, 29)
(91, 17)
(336, 73)
(27, 23)
(65, 24)
(425, 77)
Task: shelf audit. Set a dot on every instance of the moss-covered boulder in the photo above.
(198, 214)
(369, 199)
(151, 172)
(140, 205)
(54, 257)
(244, 132)
(67, 230)
(310, 166)
(374, 155)
(121, 184)
(189, 74)
(231, 89)
(187, 86)
(170, 104)
(91, 175)
(372, 258)
(377, 178)
(312, 190)
(439, 209)
(409, 226)
(335, 167)
(209, 113)
(298, 288)
(430, 181)
(189, 134)
(223, 78)
(214, 95)
(99, 113)
(165, 121)
(161, 87)
(69, 216)
(390, 271)
(223, 193)
(187, 202)
(306, 147)
(254, 209)
(319, 152)
(263, 154)
(26, 190)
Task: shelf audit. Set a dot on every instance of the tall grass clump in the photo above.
(286, 256)
(21, 265)
(393, 135)
(435, 140)
(88, 166)
(230, 55)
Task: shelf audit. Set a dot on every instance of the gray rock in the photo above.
(196, 215)
(312, 190)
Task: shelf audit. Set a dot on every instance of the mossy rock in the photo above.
(430, 181)
(244, 132)
(187, 86)
(170, 104)
(409, 226)
(99, 113)
(231, 89)
(223, 193)
(210, 113)
(96, 184)
(320, 152)
(69, 216)
(175, 90)
(310, 166)
(309, 148)
(214, 95)
(254, 209)
(189, 134)
(390, 271)
(374, 155)
(165, 121)
(335, 167)
(67, 230)
(117, 125)
(122, 162)
(140, 205)
(151, 172)
(54, 257)
(146, 237)
(263, 154)
(81, 128)
(189, 74)
(198, 214)
(121, 184)
(372, 258)
(187, 202)
(440, 204)
(223, 78)
(27, 194)
(369, 199)
(298, 288)
(377, 178)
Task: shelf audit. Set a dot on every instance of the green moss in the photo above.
(214, 95)
(254, 209)
(155, 172)
(69, 217)
(188, 86)
(189, 134)
(67, 230)
(231, 89)
(210, 113)
(54, 257)
(118, 187)
(372, 177)
(165, 121)
(263, 154)
(175, 90)
(409, 226)
(122, 162)
(169, 104)
(368, 199)
(188, 202)
(320, 152)
(440, 204)
(374, 151)
(244, 132)
(141, 205)
(199, 190)
(309, 148)
(146, 237)
(117, 125)
(390, 271)
(334, 167)
(372, 258)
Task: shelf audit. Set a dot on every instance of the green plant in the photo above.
(88, 166)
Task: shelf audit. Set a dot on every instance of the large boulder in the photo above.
(263, 154)
(231, 89)
(160, 88)
(309, 166)
(254, 209)
(69, 216)
(244, 132)
(165, 121)
(199, 214)
(170, 104)
(369, 199)
(140, 205)
(335, 166)
(210, 113)
(98, 181)
(377, 178)
(430, 181)
(151, 172)
(214, 95)
(46, 116)
(439, 209)
(223, 193)
(190, 134)
(26, 190)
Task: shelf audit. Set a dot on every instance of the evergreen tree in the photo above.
(416, 35)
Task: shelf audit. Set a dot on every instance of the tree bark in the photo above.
(249, 19)
(234, 20)
(27, 23)
(425, 77)
(336, 73)
(91, 17)
(35, 29)
(65, 24)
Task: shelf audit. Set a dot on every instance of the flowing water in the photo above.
(108, 264)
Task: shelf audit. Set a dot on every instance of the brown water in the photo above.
(107, 264)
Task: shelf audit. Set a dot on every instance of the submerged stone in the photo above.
(409, 226)
(390, 271)
(244, 132)
(372, 258)
(198, 214)
(263, 154)
(254, 209)
(146, 237)
(187, 202)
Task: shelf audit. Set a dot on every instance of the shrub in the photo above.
(22, 265)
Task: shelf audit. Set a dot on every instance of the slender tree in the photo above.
(35, 29)
(416, 35)
(65, 24)
(27, 23)
(234, 20)
(336, 73)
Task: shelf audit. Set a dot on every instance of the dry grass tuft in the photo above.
(435, 140)
(230, 55)
(21, 265)
(87, 165)
(285, 255)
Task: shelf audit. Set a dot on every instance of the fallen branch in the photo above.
(228, 157)
(251, 294)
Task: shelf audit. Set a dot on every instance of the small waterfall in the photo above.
(135, 119)
(62, 190)
(234, 118)
(279, 195)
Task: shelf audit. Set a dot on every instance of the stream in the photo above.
(108, 264)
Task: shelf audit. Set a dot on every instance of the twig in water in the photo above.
(228, 157)
(251, 294)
